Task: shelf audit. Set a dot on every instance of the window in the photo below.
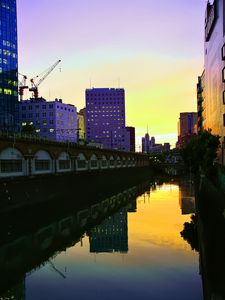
(64, 164)
(11, 165)
(223, 97)
(94, 163)
(223, 52)
(42, 165)
(43, 106)
(223, 74)
(81, 164)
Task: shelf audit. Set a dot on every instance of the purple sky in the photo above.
(147, 44)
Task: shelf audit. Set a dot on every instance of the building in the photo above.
(146, 143)
(81, 124)
(200, 102)
(105, 117)
(131, 138)
(8, 65)
(53, 120)
(214, 64)
(111, 235)
(187, 128)
(149, 145)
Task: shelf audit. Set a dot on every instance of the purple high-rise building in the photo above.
(105, 117)
(53, 120)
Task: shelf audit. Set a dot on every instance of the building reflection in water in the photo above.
(111, 235)
(187, 197)
(24, 250)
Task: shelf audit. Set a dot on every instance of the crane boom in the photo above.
(34, 86)
(48, 72)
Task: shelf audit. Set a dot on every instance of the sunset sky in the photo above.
(154, 49)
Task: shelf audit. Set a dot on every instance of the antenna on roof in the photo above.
(90, 82)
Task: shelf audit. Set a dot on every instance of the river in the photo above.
(134, 252)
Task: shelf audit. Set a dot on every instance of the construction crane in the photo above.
(34, 86)
(22, 86)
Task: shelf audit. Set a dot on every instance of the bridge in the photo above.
(29, 156)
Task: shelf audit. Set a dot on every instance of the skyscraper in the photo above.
(8, 64)
(131, 138)
(214, 76)
(105, 117)
(187, 128)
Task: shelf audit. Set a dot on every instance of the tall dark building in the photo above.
(131, 138)
(8, 64)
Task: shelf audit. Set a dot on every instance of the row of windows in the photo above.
(104, 103)
(38, 122)
(8, 53)
(44, 106)
(8, 44)
(10, 166)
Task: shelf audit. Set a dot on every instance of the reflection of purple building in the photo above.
(105, 117)
(52, 120)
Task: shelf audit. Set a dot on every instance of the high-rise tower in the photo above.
(105, 117)
(8, 65)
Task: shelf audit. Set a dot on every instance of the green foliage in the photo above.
(28, 130)
(201, 152)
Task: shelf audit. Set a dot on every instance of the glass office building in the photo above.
(8, 65)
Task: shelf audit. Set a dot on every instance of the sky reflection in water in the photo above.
(158, 263)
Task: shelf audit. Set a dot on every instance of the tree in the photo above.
(201, 152)
(28, 129)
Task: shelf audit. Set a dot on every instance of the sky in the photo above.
(153, 49)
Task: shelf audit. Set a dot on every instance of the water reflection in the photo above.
(126, 246)
(111, 235)
(207, 237)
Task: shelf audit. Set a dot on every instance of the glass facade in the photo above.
(8, 65)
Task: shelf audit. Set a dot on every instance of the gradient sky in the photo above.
(153, 48)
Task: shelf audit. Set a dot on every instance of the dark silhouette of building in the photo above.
(131, 138)
(8, 65)
(187, 128)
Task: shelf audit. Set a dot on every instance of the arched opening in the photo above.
(12, 163)
(124, 164)
(111, 162)
(93, 162)
(81, 162)
(63, 162)
(118, 162)
(42, 162)
(104, 162)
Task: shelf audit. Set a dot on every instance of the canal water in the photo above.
(135, 252)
